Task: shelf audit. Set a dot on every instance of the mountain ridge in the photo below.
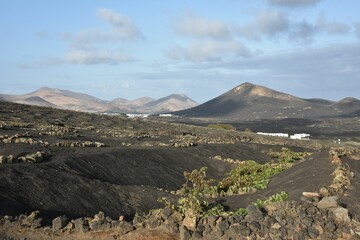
(248, 101)
(66, 99)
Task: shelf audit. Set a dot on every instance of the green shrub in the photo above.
(279, 197)
(250, 174)
(288, 156)
(222, 126)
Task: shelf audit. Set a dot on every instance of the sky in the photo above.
(202, 48)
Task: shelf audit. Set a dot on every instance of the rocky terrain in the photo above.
(65, 99)
(73, 175)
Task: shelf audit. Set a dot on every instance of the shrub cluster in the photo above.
(222, 126)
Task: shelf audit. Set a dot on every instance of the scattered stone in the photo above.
(255, 226)
(223, 225)
(165, 213)
(330, 227)
(328, 202)
(310, 194)
(324, 192)
(313, 232)
(341, 215)
(176, 217)
(184, 233)
(81, 225)
(190, 220)
(31, 221)
(254, 214)
(122, 227)
(59, 222)
(172, 227)
(270, 207)
(99, 222)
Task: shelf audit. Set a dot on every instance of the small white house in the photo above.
(300, 136)
(137, 115)
(165, 115)
(274, 134)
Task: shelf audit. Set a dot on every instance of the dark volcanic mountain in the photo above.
(250, 102)
(70, 100)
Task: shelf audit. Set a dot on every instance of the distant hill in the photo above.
(66, 99)
(250, 102)
(174, 102)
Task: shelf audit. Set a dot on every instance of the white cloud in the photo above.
(96, 45)
(204, 51)
(357, 29)
(96, 57)
(331, 27)
(123, 26)
(267, 23)
(293, 3)
(302, 32)
(199, 27)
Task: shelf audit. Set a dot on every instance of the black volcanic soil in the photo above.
(80, 181)
(138, 164)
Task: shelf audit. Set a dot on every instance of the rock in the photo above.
(312, 210)
(270, 207)
(190, 220)
(341, 215)
(268, 221)
(165, 213)
(234, 229)
(207, 231)
(313, 232)
(81, 225)
(98, 225)
(253, 213)
(31, 221)
(276, 226)
(171, 227)
(308, 221)
(255, 226)
(123, 227)
(154, 223)
(211, 220)
(319, 228)
(175, 217)
(196, 235)
(244, 230)
(324, 192)
(310, 194)
(331, 227)
(327, 202)
(184, 233)
(223, 225)
(59, 222)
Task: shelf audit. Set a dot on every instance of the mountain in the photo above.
(250, 102)
(66, 99)
(124, 105)
(60, 99)
(174, 102)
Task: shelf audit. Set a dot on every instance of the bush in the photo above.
(250, 174)
(288, 156)
(222, 126)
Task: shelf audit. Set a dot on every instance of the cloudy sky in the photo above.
(202, 48)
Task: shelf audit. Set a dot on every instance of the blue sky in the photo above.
(130, 49)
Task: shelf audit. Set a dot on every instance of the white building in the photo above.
(300, 136)
(274, 134)
(137, 115)
(165, 115)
